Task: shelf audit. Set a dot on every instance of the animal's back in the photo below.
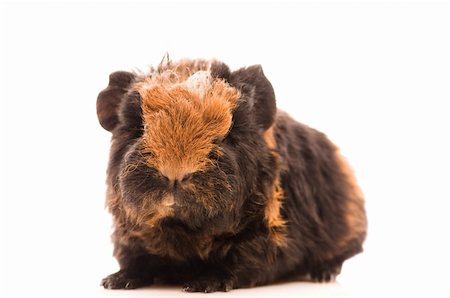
(322, 205)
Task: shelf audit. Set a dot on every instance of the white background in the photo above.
(374, 76)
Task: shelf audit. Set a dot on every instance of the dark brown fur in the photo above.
(210, 186)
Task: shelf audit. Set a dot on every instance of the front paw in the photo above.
(209, 285)
(326, 274)
(124, 279)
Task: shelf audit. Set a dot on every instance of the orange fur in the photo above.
(275, 222)
(181, 123)
(355, 216)
(269, 138)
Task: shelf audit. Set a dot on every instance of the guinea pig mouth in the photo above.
(170, 213)
(164, 209)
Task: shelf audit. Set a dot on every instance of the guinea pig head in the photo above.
(179, 139)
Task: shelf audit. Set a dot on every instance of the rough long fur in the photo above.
(212, 187)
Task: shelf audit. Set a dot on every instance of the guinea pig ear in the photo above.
(220, 70)
(109, 99)
(258, 92)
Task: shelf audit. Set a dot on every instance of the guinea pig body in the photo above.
(212, 187)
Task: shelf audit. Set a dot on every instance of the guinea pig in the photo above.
(210, 186)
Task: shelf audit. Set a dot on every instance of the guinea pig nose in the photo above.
(175, 175)
(176, 183)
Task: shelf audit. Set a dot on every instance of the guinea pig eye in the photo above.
(217, 141)
(213, 155)
(145, 152)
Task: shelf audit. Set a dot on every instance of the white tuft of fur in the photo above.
(199, 82)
